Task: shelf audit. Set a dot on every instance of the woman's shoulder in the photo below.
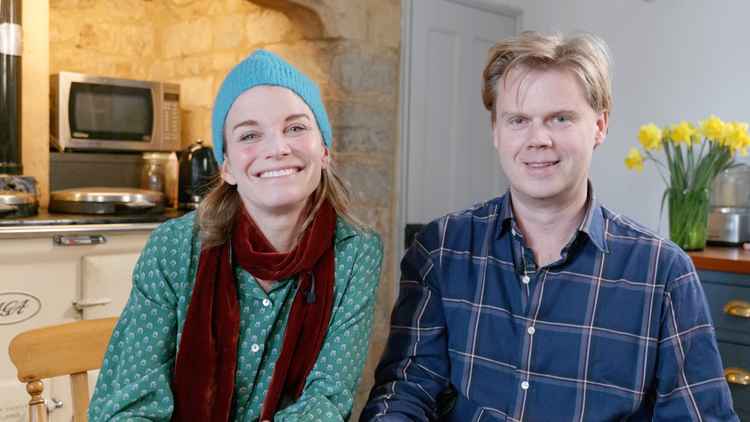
(360, 237)
(183, 225)
(175, 231)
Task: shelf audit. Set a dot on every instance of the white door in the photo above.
(26, 303)
(39, 282)
(105, 283)
(448, 161)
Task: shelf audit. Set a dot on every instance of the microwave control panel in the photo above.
(171, 117)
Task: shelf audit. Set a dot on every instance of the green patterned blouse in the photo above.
(134, 382)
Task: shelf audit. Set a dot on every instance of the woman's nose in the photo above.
(278, 146)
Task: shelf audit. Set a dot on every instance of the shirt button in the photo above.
(266, 303)
(254, 348)
(525, 385)
(525, 279)
(531, 331)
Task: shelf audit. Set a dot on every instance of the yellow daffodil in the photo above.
(737, 137)
(713, 128)
(650, 136)
(682, 133)
(634, 160)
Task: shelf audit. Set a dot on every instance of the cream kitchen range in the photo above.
(51, 274)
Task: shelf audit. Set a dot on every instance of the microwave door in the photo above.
(99, 114)
(105, 116)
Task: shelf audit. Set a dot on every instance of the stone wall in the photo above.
(351, 48)
(104, 38)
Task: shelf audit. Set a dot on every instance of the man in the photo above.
(544, 305)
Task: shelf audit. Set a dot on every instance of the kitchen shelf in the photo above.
(719, 258)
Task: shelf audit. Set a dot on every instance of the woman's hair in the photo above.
(216, 213)
(585, 55)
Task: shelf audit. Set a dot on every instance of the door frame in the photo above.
(407, 10)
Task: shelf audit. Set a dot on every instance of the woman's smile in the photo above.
(277, 173)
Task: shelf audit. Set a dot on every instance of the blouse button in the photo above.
(254, 348)
(266, 303)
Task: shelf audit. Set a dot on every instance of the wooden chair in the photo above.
(66, 349)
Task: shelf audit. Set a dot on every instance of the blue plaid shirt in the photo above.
(617, 329)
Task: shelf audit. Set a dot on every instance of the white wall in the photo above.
(673, 60)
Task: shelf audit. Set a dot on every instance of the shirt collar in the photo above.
(344, 230)
(592, 225)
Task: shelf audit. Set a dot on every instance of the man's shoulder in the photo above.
(631, 240)
(460, 230)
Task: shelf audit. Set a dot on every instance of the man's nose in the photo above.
(539, 136)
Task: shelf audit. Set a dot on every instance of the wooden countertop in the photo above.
(718, 258)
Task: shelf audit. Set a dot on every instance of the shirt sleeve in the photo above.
(328, 394)
(134, 381)
(415, 366)
(690, 384)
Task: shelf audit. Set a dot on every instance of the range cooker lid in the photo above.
(97, 200)
(108, 195)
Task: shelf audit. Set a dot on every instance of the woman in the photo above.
(259, 305)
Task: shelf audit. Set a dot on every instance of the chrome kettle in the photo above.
(198, 169)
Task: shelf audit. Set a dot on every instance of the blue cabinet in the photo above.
(728, 297)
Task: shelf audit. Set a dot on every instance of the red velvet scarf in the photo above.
(203, 382)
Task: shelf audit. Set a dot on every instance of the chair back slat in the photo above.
(61, 349)
(66, 349)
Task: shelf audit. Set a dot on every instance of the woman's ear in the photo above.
(326, 159)
(226, 174)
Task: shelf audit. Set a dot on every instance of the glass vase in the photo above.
(688, 217)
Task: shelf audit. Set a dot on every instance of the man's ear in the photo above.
(495, 136)
(602, 127)
(226, 174)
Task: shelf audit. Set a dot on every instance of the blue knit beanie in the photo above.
(265, 68)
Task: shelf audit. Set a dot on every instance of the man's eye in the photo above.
(515, 121)
(561, 119)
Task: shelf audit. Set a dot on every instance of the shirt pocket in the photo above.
(487, 414)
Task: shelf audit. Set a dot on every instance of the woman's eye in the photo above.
(249, 137)
(296, 129)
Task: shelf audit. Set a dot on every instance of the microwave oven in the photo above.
(93, 113)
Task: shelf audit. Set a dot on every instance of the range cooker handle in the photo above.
(53, 404)
(78, 240)
(89, 303)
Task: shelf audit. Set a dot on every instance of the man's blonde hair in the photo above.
(585, 55)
